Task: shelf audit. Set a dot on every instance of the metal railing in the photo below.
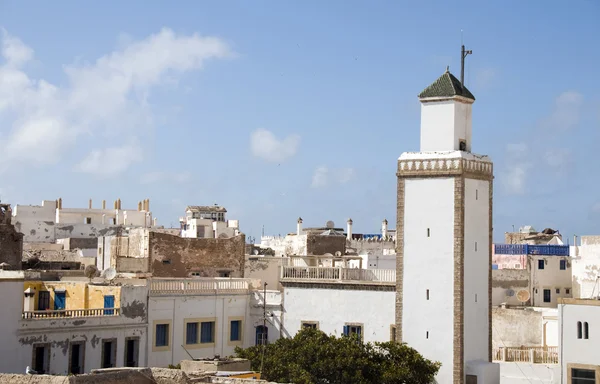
(48, 314)
(535, 355)
(527, 249)
(197, 286)
(338, 274)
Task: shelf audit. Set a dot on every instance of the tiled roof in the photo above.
(205, 208)
(446, 86)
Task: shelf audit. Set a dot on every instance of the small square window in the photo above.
(207, 332)
(568, 291)
(541, 264)
(191, 333)
(88, 220)
(309, 324)
(563, 265)
(557, 291)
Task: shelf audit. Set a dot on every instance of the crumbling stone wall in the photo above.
(11, 241)
(316, 244)
(174, 256)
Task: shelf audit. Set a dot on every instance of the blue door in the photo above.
(60, 299)
(109, 302)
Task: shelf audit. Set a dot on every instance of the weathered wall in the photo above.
(317, 244)
(132, 264)
(79, 295)
(173, 256)
(516, 328)
(78, 243)
(504, 280)
(11, 241)
(265, 268)
(285, 245)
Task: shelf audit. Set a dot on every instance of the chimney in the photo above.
(140, 206)
(299, 227)
(384, 229)
(125, 218)
(103, 204)
(119, 203)
(103, 218)
(349, 231)
(90, 205)
(148, 205)
(215, 229)
(115, 204)
(60, 203)
(154, 221)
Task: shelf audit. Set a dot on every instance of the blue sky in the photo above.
(284, 109)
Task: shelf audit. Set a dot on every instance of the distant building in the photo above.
(11, 241)
(207, 222)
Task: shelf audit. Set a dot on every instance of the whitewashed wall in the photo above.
(527, 373)
(427, 325)
(443, 123)
(14, 358)
(574, 350)
(332, 308)
(285, 245)
(476, 269)
(552, 278)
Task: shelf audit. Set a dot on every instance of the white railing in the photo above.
(338, 274)
(95, 312)
(197, 286)
(535, 355)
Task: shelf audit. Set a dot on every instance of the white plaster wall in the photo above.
(437, 126)
(462, 123)
(381, 262)
(14, 358)
(178, 308)
(527, 373)
(572, 349)
(477, 250)
(552, 278)
(285, 245)
(429, 265)
(333, 308)
(273, 319)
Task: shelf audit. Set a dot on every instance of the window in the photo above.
(60, 301)
(191, 333)
(541, 264)
(568, 291)
(88, 220)
(393, 333)
(132, 346)
(109, 353)
(462, 145)
(428, 232)
(224, 274)
(235, 330)
(310, 324)
(476, 194)
(76, 357)
(547, 296)
(427, 294)
(109, 304)
(517, 266)
(44, 300)
(262, 335)
(563, 265)
(207, 332)
(557, 291)
(475, 297)
(579, 330)
(166, 261)
(475, 246)
(162, 335)
(195, 274)
(427, 335)
(586, 330)
(113, 221)
(353, 329)
(583, 376)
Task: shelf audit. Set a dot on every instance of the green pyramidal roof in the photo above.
(446, 86)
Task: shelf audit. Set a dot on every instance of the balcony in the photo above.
(526, 249)
(326, 274)
(168, 287)
(534, 355)
(70, 313)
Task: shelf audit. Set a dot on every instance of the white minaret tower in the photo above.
(444, 235)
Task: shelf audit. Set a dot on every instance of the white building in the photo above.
(579, 322)
(444, 233)
(586, 268)
(50, 221)
(340, 301)
(203, 318)
(207, 222)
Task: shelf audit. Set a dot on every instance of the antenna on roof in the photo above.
(463, 55)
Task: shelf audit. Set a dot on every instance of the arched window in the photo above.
(578, 330)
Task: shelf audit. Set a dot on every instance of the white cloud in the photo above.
(324, 176)
(103, 98)
(266, 146)
(110, 161)
(566, 112)
(160, 176)
(518, 165)
(484, 77)
(596, 207)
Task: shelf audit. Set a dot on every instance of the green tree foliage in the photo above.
(312, 357)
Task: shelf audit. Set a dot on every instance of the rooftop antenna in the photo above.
(463, 55)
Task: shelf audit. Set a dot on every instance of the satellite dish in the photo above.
(338, 253)
(255, 251)
(330, 224)
(510, 293)
(90, 271)
(109, 273)
(523, 296)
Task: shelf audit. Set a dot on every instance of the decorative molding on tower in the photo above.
(450, 167)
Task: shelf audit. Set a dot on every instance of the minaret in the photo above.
(443, 240)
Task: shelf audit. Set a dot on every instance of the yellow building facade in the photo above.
(71, 295)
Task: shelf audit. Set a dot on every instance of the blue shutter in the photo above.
(191, 333)
(109, 302)
(234, 334)
(162, 337)
(346, 330)
(60, 299)
(207, 332)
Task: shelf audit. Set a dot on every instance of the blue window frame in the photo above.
(563, 265)
(162, 335)
(350, 330)
(207, 332)
(60, 301)
(191, 333)
(235, 333)
(109, 302)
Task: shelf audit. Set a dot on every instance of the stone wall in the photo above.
(516, 328)
(11, 241)
(78, 243)
(174, 256)
(316, 244)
